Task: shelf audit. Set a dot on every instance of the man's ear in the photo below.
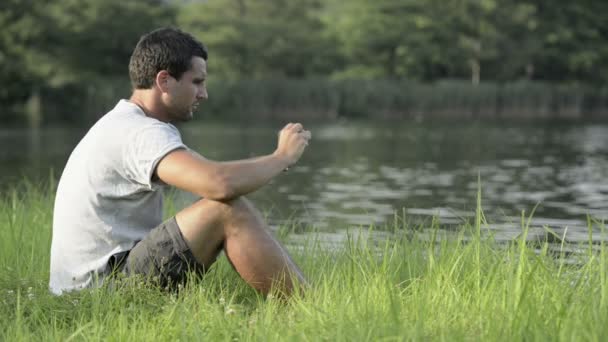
(162, 80)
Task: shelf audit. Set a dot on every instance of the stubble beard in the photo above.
(187, 116)
(181, 116)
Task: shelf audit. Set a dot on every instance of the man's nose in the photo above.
(202, 95)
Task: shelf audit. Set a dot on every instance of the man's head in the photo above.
(163, 49)
(171, 67)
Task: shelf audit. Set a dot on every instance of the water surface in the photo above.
(361, 173)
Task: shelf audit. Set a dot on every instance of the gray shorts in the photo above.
(162, 257)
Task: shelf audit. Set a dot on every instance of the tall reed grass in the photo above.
(409, 287)
(323, 99)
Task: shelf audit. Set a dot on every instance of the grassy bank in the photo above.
(408, 288)
(324, 99)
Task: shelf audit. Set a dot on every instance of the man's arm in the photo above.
(223, 181)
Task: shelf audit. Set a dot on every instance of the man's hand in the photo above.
(293, 140)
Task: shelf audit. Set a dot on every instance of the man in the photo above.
(108, 208)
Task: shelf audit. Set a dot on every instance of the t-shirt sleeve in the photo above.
(145, 149)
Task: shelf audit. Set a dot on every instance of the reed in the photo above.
(324, 99)
(393, 99)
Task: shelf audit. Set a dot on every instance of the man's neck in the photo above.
(149, 103)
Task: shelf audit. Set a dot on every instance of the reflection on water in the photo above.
(357, 174)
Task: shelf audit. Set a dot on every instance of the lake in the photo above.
(359, 173)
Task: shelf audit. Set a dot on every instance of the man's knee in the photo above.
(208, 218)
(226, 211)
(241, 203)
(240, 207)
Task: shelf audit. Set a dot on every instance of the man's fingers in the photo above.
(305, 136)
(285, 129)
(297, 127)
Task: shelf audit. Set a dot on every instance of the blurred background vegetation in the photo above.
(66, 61)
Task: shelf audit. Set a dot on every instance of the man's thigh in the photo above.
(162, 257)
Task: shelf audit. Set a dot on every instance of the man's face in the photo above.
(185, 94)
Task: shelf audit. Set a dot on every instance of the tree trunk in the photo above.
(475, 71)
(529, 71)
(33, 109)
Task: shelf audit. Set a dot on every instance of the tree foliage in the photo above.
(261, 39)
(71, 43)
(48, 44)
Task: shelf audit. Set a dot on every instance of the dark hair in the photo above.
(163, 49)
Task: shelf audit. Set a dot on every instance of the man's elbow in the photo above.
(223, 190)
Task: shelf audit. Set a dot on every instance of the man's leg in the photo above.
(238, 228)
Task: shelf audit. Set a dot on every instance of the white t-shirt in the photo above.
(106, 200)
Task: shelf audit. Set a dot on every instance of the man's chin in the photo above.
(184, 117)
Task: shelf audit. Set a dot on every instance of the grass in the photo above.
(410, 287)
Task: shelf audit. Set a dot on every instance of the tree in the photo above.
(72, 43)
(18, 20)
(574, 36)
(94, 38)
(384, 39)
(261, 39)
